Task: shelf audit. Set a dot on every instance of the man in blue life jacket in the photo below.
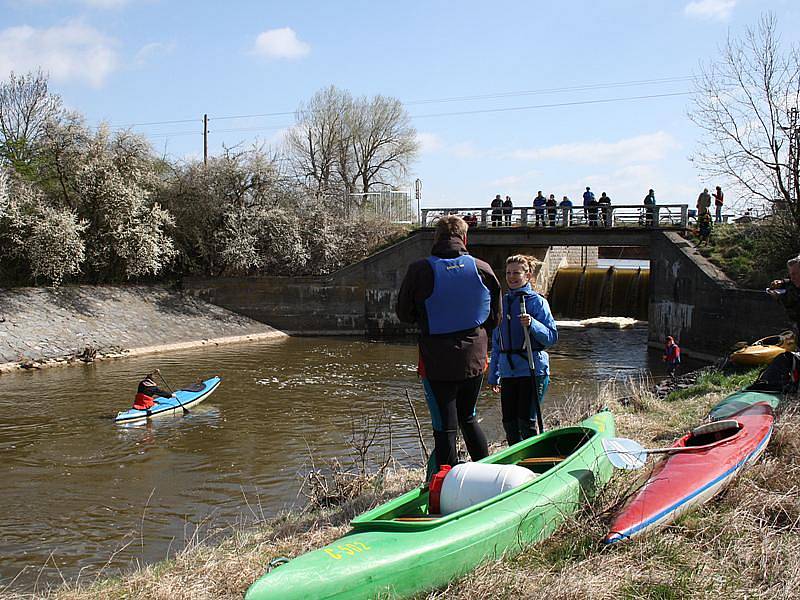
(454, 299)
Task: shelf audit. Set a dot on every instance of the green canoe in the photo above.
(730, 405)
(398, 549)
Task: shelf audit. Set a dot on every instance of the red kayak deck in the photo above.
(689, 478)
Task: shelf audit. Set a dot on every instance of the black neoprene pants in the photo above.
(452, 405)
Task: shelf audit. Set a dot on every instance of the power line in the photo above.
(554, 105)
(493, 96)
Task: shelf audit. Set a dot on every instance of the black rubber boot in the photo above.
(512, 432)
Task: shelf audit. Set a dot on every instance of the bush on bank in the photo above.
(97, 206)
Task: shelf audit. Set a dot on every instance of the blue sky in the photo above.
(146, 61)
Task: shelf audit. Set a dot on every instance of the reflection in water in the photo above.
(99, 496)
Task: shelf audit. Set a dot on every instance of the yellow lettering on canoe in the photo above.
(345, 550)
(599, 423)
(333, 554)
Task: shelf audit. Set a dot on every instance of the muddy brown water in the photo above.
(81, 496)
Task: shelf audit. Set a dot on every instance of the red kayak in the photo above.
(690, 477)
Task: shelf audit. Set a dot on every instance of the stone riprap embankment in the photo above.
(45, 326)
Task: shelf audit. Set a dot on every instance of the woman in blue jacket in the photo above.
(509, 371)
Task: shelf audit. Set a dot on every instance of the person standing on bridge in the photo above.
(454, 299)
(508, 210)
(566, 211)
(649, 211)
(605, 207)
(539, 205)
(588, 196)
(497, 211)
(552, 208)
(522, 391)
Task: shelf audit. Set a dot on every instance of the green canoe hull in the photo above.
(385, 557)
(738, 401)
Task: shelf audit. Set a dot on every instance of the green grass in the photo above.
(715, 381)
(750, 254)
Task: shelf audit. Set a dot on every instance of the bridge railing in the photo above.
(660, 216)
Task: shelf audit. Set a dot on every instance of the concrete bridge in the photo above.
(689, 298)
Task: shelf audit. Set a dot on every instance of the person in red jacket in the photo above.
(148, 391)
(672, 356)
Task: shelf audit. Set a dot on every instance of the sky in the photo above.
(507, 97)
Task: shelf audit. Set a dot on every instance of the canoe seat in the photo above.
(540, 460)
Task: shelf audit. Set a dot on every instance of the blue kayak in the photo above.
(187, 397)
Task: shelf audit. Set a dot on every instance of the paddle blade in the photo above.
(624, 453)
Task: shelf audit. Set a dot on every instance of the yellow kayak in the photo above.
(763, 351)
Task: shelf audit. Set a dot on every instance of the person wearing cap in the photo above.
(148, 391)
(588, 196)
(672, 356)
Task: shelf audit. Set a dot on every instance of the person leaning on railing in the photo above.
(649, 214)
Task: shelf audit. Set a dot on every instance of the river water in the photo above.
(80, 495)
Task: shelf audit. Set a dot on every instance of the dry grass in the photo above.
(743, 544)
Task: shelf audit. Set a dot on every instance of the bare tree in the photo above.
(351, 145)
(316, 140)
(747, 104)
(383, 141)
(26, 108)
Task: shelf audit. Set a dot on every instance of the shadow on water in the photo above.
(101, 497)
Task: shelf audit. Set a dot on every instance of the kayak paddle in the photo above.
(532, 365)
(174, 395)
(629, 454)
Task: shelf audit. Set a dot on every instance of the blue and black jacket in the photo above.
(509, 356)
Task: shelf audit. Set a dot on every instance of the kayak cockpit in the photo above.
(543, 455)
(711, 434)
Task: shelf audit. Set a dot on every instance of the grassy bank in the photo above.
(744, 544)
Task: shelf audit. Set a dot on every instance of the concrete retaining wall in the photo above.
(359, 299)
(700, 306)
(41, 326)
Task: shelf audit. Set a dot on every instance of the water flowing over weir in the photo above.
(583, 292)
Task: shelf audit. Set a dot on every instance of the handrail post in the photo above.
(656, 216)
(484, 211)
(684, 216)
(523, 216)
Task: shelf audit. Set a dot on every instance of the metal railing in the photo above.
(673, 216)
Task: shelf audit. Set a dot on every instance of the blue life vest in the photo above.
(512, 335)
(460, 300)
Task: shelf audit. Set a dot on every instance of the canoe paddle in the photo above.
(628, 454)
(532, 365)
(171, 391)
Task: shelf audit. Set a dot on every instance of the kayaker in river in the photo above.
(509, 370)
(787, 291)
(454, 299)
(148, 391)
(672, 356)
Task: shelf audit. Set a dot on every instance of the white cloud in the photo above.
(429, 142)
(719, 10)
(643, 148)
(70, 52)
(153, 50)
(280, 43)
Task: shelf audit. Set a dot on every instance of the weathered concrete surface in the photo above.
(45, 325)
(695, 302)
(360, 299)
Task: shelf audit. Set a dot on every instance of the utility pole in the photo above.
(418, 196)
(205, 140)
(792, 179)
